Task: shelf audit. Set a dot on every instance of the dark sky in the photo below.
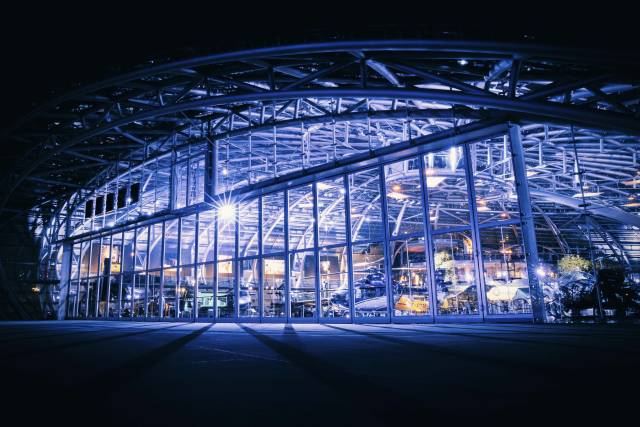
(52, 50)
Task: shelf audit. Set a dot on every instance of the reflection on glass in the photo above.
(409, 274)
(331, 211)
(155, 246)
(153, 294)
(95, 258)
(404, 197)
(226, 236)
(302, 284)
(334, 282)
(273, 223)
(126, 307)
(83, 299)
(116, 253)
(170, 243)
(369, 285)
(206, 231)
(139, 294)
(300, 217)
(128, 251)
(366, 211)
(142, 237)
(447, 188)
(188, 240)
(72, 299)
(496, 198)
(225, 291)
(113, 292)
(85, 256)
(181, 171)
(205, 290)
(273, 288)
(454, 273)
(505, 270)
(248, 228)
(92, 293)
(169, 292)
(186, 293)
(248, 298)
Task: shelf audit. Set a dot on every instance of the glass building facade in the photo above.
(426, 236)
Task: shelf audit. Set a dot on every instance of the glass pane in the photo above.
(366, 212)
(225, 292)
(206, 232)
(139, 294)
(505, 270)
(116, 253)
(226, 235)
(404, 198)
(126, 309)
(248, 299)
(196, 180)
(93, 298)
(409, 274)
(142, 238)
(84, 259)
(181, 171)
(248, 228)
(170, 243)
(369, 287)
(105, 259)
(83, 299)
(186, 292)
(454, 273)
(205, 290)
(95, 258)
(103, 295)
(493, 180)
(273, 287)
(188, 240)
(155, 246)
(128, 251)
(301, 217)
(302, 284)
(334, 282)
(153, 294)
(169, 292)
(447, 188)
(273, 223)
(75, 261)
(331, 211)
(72, 300)
(112, 295)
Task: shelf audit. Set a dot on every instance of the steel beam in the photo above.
(527, 224)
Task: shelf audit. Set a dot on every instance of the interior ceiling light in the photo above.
(396, 187)
(632, 182)
(323, 186)
(587, 194)
(397, 196)
(434, 181)
(632, 205)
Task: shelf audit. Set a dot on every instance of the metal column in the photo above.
(527, 225)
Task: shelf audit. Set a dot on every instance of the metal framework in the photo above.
(558, 126)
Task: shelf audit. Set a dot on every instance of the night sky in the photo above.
(51, 51)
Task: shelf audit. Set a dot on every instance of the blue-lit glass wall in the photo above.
(434, 235)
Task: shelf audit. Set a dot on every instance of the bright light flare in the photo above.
(227, 212)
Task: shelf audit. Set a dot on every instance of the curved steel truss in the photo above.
(272, 112)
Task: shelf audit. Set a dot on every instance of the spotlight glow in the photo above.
(227, 212)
